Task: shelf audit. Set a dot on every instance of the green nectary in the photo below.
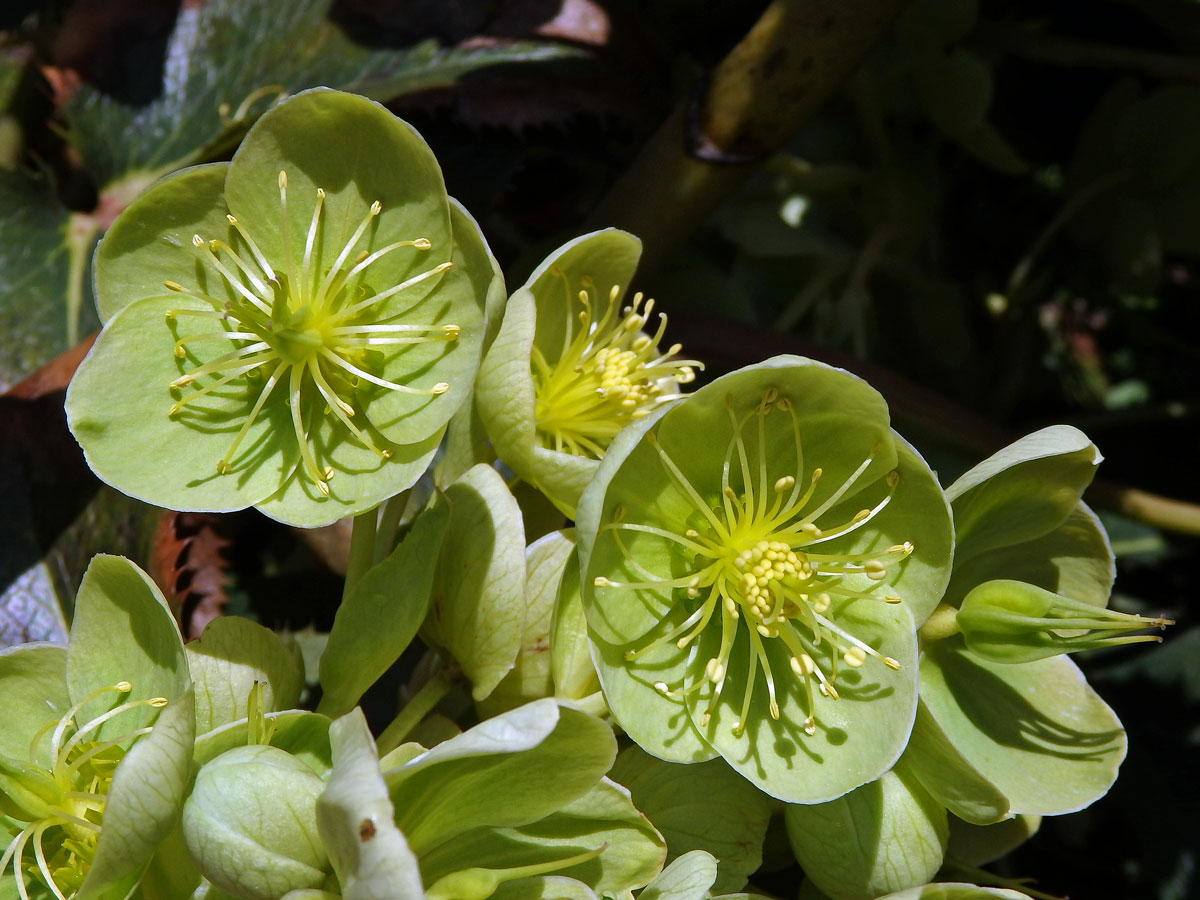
(310, 310)
(755, 560)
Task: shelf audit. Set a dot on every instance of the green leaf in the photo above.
(229, 659)
(688, 877)
(143, 801)
(884, 836)
(702, 807)
(381, 615)
(478, 610)
(630, 850)
(1035, 730)
(33, 679)
(355, 818)
(123, 631)
(495, 773)
(38, 317)
(227, 52)
(1021, 492)
(530, 678)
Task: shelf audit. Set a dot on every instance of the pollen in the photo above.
(306, 330)
(763, 554)
(609, 371)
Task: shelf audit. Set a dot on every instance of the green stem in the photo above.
(362, 548)
(415, 710)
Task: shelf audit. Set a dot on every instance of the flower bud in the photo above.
(250, 823)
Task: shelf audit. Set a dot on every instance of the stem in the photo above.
(362, 549)
(954, 868)
(798, 54)
(421, 704)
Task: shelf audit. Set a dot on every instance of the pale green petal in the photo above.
(496, 773)
(1023, 491)
(858, 737)
(1074, 560)
(978, 845)
(571, 666)
(530, 678)
(885, 836)
(603, 817)
(123, 631)
(120, 397)
(229, 659)
(955, 891)
(946, 774)
(151, 241)
(357, 152)
(354, 815)
(703, 807)
(687, 878)
(1035, 730)
(143, 802)
(478, 610)
(33, 681)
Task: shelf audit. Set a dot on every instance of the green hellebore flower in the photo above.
(571, 366)
(754, 562)
(311, 309)
(88, 791)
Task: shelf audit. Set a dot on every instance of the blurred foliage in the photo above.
(1002, 206)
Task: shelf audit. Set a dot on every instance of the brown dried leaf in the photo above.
(188, 562)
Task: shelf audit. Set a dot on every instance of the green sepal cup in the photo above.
(291, 330)
(754, 561)
(571, 366)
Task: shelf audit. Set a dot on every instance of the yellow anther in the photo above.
(715, 670)
(376, 207)
(854, 657)
(173, 286)
(123, 687)
(810, 726)
(891, 663)
(422, 244)
(661, 687)
(784, 484)
(158, 702)
(875, 570)
(440, 388)
(601, 581)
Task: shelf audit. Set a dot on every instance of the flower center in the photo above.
(608, 374)
(755, 556)
(317, 330)
(55, 803)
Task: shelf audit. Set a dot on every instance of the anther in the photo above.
(891, 663)
(601, 581)
(440, 388)
(854, 657)
(875, 570)
(422, 244)
(661, 687)
(784, 484)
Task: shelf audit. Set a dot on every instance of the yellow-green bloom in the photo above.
(291, 330)
(574, 363)
(754, 562)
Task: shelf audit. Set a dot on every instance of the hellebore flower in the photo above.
(571, 365)
(291, 330)
(754, 562)
(96, 742)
